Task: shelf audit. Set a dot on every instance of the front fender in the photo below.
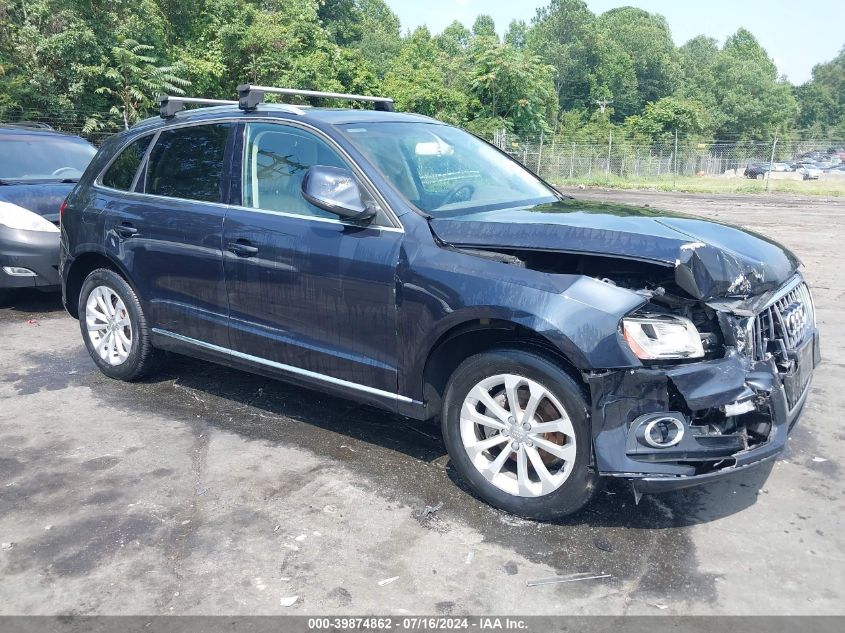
(442, 290)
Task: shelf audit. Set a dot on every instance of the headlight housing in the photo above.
(15, 217)
(662, 337)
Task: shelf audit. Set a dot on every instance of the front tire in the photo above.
(516, 428)
(114, 327)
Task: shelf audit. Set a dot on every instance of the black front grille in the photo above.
(788, 318)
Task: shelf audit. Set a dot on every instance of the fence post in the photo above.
(540, 156)
(572, 162)
(772, 161)
(609, 148)
(675, 171)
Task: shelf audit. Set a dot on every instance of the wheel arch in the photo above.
(82, 266)
(477, 335)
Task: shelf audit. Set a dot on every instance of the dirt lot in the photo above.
(210, 491)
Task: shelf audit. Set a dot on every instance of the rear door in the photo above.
(308, 294)
(167, 232)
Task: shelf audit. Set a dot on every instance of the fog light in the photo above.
(17, 271)
(663, 432)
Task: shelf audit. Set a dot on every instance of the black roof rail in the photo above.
(169, 106)
(250, 96)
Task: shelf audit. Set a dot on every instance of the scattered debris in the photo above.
(32, 322)
(288, 602)
(510, 568)
(662, 607)
(387, 581)
(277, 528)
(48, 527)
(7, 546)
(186, 521)
(352, 450)
(561, 579)
(468, 558)
(329, 509)
(819, 460)
(300, 538)
(291, 546)
(316, 533)
(201, 491)
(603, 544)
(427, 517)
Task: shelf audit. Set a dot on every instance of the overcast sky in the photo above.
(798, 34)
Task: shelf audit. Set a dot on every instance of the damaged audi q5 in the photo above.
(406, 264)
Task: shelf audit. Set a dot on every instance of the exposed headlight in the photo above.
(15, 217)
(662, 337)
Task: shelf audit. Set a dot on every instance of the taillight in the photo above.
(62, 210)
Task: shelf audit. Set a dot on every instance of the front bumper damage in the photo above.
(735, 413)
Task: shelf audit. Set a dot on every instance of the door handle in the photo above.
(126, 230)
(242, 248)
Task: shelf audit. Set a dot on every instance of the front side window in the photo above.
(276, 158)
(188, 162)
(445, 171)
(122, 172)
(44, 157)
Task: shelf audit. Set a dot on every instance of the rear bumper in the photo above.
(623, 400)
(36, 251)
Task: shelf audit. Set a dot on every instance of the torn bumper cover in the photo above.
(683, 425)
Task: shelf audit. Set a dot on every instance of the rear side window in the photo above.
(122, 172)
(188, 163)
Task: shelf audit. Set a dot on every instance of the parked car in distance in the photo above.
(810, 171)
(404, 263)
(756, 170)
(38, 168)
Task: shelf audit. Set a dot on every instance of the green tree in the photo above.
(646, 39)
(821, 101)
(517, 34)
(514, 86)
(484, 26)
(661, 119)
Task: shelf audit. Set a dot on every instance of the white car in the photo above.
(809, 172)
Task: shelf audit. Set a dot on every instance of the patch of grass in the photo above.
(696, 184)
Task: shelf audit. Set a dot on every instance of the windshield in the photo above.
(44, 158)
(445, 171)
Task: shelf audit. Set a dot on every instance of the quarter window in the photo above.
(122, 172)
(187, 163)
(276, 158)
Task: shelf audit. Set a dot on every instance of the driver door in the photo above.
(308, 293)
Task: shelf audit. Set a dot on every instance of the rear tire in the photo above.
(114, 327)
(533, 459)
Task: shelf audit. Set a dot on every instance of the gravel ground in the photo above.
(209, 491)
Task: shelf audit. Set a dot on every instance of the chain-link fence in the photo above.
(619, 159)
(623, 161)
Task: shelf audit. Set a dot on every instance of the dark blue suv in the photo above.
(407, 264)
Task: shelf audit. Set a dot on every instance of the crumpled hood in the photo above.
(711, 260)
(41, 198)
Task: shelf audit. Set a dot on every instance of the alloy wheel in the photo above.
(518, 435)
(108, 325)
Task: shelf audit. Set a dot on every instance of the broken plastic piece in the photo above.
(387, 581)
(560, 579)
(288, 601)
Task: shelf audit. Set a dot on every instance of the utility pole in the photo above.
(602, 104)
(772, 161)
